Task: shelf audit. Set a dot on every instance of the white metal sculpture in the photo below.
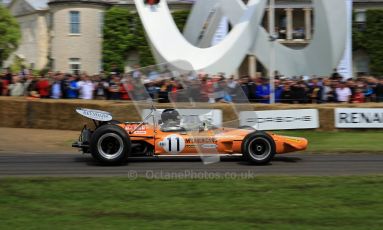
(246, 37)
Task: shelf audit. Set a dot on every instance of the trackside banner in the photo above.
(281, 119)
(214, 116)
(358, 118)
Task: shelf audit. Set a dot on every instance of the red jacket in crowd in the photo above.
(152, 2)
(43, 88)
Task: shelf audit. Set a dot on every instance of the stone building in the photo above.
(33, 17)
(76, 35)
(66, 35)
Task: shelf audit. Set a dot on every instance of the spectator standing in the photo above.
(195, 91)
(379, 91)
(300, 92)
(278, 91)
(31, 86)
(350, 83)
(206, 89)
(86, 87)
(153, 74)
(151, 2)
(248, 88)
(358, 97)
(315, 92)
(286, 95)
(72, 87)
(326, 89)
(152, 89)
(166, 88)
(16, 89)
(137, 72)
(100, 87)
(56, 89)
(7, 80)
(114, 88)
(244, 81)
(126, 88)
(263, 91)
(115, 70)
(336, 76)
(369, 89)
(219, 91)
(43, 87)
(1, 85)
(343, 93)
(8, 76)
(233, 88)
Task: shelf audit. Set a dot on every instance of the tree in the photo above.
(9, 34)
(123, 32)
(370, 40)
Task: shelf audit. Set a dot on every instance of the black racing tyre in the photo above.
(110, 145)
(258, 148)
(247, 127)
(114, 122)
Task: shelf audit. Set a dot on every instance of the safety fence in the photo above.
(60, 114)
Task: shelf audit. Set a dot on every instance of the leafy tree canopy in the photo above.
(123, 32)
(370, 39)
(9, 33)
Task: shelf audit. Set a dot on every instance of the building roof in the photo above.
(121, 2)
(83, 1)
(38, 4)
(368, 1)
(5, 2)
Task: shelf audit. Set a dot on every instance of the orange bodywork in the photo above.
(217, 141)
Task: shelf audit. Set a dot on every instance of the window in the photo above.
(101, 22)
(74, 22)
(75, 65)
(360, 20)
(101, 66)
(51, 63)
(50, 21)
(360, 16)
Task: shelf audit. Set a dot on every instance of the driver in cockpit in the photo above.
(171, 121)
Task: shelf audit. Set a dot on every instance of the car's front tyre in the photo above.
(110, 145)
(258, 148)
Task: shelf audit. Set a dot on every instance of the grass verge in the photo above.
(263, 202)
(342, 141)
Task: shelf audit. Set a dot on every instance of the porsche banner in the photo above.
(281, 119)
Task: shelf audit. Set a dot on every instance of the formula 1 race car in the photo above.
(113, 142)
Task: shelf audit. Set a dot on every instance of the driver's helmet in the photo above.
(171, 117)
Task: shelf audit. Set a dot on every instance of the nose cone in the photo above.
(293, 144)
(304, 143)
(288, 144)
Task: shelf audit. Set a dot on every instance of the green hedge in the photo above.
(123, 32)
(370, 40)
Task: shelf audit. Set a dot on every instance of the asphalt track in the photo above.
(24, 164)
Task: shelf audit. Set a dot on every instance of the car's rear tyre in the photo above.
(110, 145)
(247, 127)
(258, 148)
(114, 122)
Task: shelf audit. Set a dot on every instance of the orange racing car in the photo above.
(113, 142)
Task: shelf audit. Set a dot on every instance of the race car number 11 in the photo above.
(173, 144)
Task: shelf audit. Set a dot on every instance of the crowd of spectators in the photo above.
(165, 86)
